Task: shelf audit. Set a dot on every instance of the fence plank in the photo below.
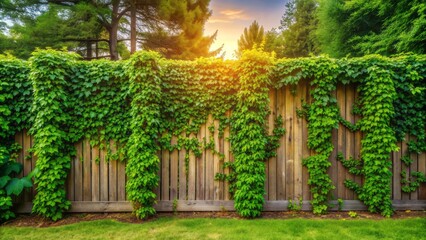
(112, 174)
(78, 171)
(200, 190)
(33, 164)
(95, 162)
(341, 143)
(121, 179)
(165, 175)
(289, 143)
(350, 137)
(209, 163)
(358, 137)
(305, 149)
(182, 173)
(27, 163)
(281, 152)
(87, 171)
(404, 151)
(298, 190)
(414, 168)
(271, 175)
(192, 173)
(103, 164)
(396, 159)
(174, 169)
(217, 191)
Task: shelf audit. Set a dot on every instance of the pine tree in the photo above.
(252, 36)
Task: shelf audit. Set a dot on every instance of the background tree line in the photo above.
(116, 28)
(342, 28)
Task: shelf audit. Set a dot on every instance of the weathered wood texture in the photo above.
(98, 184)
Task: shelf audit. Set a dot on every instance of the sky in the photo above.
(230, 17)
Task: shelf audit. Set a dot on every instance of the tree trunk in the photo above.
(113, 51)
(133, 28)
(89, 51)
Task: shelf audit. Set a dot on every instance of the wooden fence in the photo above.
(95, 185)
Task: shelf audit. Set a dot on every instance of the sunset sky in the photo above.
(230, 17)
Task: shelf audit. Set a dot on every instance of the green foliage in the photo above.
(295, 206)
(248, 133)
(10, 185)
(143, 164)
(252, 37)
(51, 73)
(298, 27)
(413, 183)
(360, 27)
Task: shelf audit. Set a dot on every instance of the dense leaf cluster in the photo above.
(248, 133)
(50, 75)
(143, 162)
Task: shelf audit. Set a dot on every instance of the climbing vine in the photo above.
(248, 134)
(50, 77)
(143, 163)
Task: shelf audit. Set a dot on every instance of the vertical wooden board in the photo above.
(174, 169)
(165, 175)
(87, 170)
(103, 165)
(192, 173)
(33, 164)
(281, 152)
(271, 175)
(209, 163)
(95, 162)
(289, 143)
(341, 144)
(298, 190)
(217, 191)
(422, 168)
(404, 196)
(121, 180)
(305, 150)
(350, 136)
(182, 173)
(70, 181)
(200, 184)
(414, 168)
(226, 152)
(332, 171)
(78, 169)
(112, 175)
(19, 138)
(396, 160)
(221, 170)
(27, 163)
(358, 138)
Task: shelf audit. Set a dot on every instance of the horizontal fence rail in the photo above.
(97, 185)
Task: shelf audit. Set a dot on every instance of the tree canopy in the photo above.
(173, 27)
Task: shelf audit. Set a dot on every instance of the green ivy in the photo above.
(248, 133)
(143, 163)
(50, 76)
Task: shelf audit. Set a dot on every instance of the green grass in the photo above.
(207, 228)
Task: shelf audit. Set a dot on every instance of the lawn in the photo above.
(208, 228)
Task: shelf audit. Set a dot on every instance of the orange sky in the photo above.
(230, 17)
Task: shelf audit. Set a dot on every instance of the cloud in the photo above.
(218, 20)
(233, 14)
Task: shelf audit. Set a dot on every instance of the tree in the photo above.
(116, 16)
(252, 36)
(298, 26)
(359, 27)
